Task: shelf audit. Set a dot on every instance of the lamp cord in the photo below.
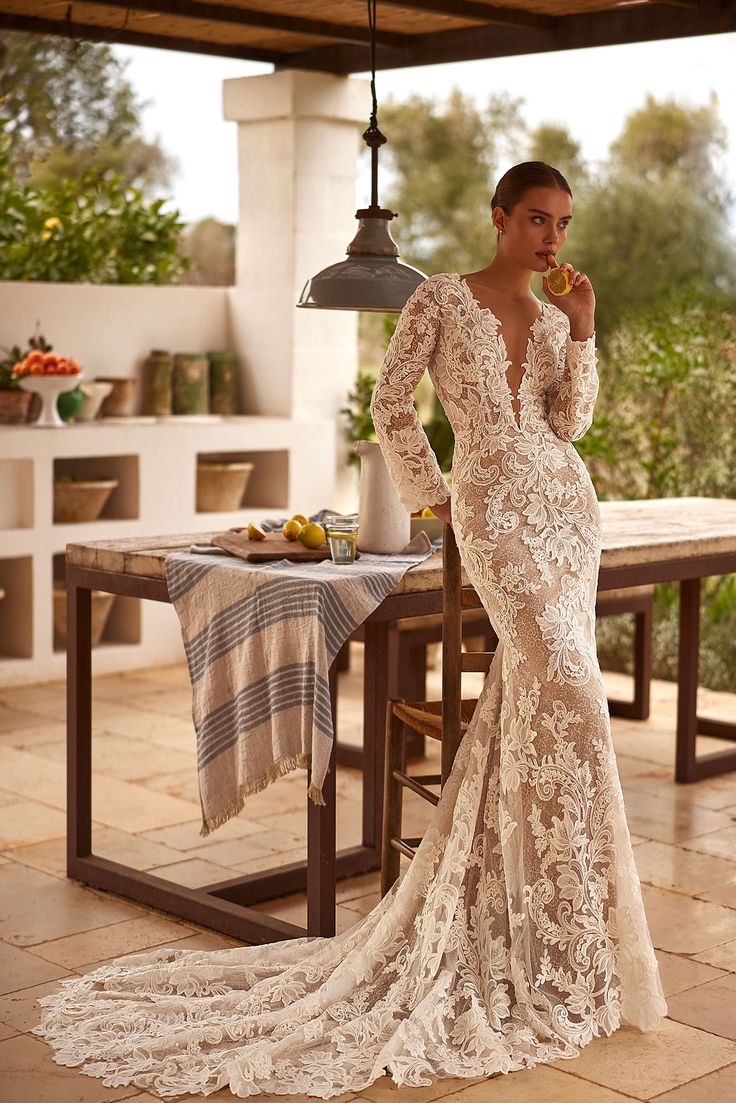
(372, 29)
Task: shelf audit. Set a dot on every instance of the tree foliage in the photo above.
(442, 160)
(96, 229)
(69, 109)
(665, 142)
(209, 246)
(652, 218)
(668, 397)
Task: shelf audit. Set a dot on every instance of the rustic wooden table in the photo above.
(644, 542)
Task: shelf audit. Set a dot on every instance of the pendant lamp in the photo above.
(373, 277)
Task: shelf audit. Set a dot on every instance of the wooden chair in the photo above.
(444, 720)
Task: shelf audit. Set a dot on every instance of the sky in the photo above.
(603, 85)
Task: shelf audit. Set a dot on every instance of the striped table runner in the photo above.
(259, 640)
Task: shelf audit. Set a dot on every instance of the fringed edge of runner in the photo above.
(315, 795)
(283, 766)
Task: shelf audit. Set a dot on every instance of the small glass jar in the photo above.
(342, 537)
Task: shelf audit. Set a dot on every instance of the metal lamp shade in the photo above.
(362, 283)
(372, 278)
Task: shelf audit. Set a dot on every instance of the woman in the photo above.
(518, 933)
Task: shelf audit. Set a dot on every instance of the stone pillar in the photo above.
(299, 137)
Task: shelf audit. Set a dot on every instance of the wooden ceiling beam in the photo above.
(66, 28)
(626, 24)
(469, 9)
(251, 17)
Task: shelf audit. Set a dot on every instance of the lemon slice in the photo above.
(255, 532)
(558, 281)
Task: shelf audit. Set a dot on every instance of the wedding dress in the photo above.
(517, 933)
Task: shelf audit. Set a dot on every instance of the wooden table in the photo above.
(657, 540)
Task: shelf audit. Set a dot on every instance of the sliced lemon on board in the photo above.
(558, 281)
(255, 532)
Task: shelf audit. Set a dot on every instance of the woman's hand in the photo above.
(443, 511)
(578, 304)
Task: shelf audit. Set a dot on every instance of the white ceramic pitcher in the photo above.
(384, 526)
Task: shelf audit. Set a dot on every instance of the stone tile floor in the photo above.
(147, 814)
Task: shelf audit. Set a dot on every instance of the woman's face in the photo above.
(536, 227)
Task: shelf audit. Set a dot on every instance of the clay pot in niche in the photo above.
(121, 400)
(221, 486)
(78, 500)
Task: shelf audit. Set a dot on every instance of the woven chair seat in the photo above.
(426, 716)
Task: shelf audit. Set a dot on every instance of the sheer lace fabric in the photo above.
(518, 933)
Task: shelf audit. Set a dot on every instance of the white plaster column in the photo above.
(299, 137)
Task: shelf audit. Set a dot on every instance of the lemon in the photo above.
(311, 535)
(427, 512)
(300, 518)
(292, 529)
(558, 281)
(255, 532)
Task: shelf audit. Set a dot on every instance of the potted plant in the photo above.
(15, 403)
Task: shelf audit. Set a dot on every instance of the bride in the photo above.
(517, 934)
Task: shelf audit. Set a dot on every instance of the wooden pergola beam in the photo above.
(251, 17)
(634, 23)
(483, 13)
(115, 37)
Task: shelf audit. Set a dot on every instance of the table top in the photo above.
(636, 532)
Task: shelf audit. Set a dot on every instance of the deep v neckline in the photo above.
(524, 366)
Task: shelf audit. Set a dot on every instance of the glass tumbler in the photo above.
(342, 536)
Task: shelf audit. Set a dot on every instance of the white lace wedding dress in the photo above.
(517, 934)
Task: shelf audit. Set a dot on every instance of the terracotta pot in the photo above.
(220, 486)
(101, 608)
(14, 407)
(121, 400)
(81, 501)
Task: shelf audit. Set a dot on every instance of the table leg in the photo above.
(379, 662)
(79, 724)
(322, 843)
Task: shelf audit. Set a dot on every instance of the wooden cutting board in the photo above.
(275, 546)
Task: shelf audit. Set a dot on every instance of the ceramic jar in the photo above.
(223, 383)
(157, 377)
(190, 386)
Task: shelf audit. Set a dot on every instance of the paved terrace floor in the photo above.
(146, 813)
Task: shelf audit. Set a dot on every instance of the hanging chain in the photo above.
(372, 30)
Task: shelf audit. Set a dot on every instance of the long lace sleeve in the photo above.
(411, 462)
(571, 398)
